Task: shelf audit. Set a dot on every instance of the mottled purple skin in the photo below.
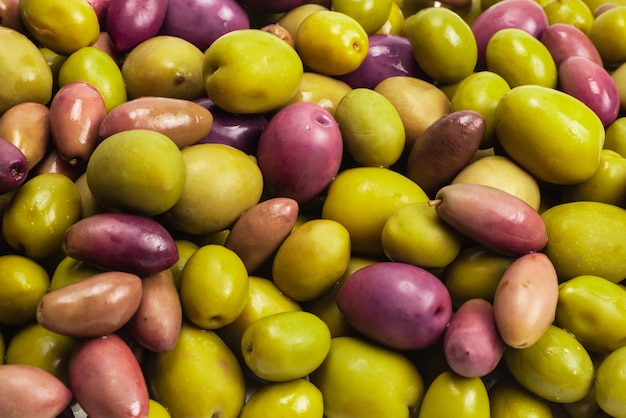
(13, 166)
(472, 345)
(564, 41)
(271, 6)
(300, 151)
(527, 15)
(399, 305)
(591, 84)
(238, 131)
(121, 242)
(130, 22)
(203, 21)
(387, 56)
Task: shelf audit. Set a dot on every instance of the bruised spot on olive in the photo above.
(179, 79)
(17, 171)
(323, 120)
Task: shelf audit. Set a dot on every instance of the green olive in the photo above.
(611, 383)
(453, 395)
(535, 124)
(520, 59)
(481, 93)
(594, 310)
(615, 138)
(443, 44)
(31, 80)
(571, 12)
(41, 210)
(508, 399)
(557, 367)
(474, 273)
(371, 14)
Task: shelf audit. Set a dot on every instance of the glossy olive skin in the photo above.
(534, 122)
(595, 228)
(76, 112)
(183, 379)
(452, 394)
(525, 301)
(472, 344)
(299, 151)
(371, 128)
(13, 166)
(31, 81)
(129, 23)
(92, 307)
(27, 126)
(285, 346)
(37, 346)
(522, 14)
(157, 320)
(475, 273)
(387, 56)
(610, 383)
(605, 30)
(399, 305)
(445, 148)
(183, 121)
(258, 233)
(592, 308)
(520, 59)
(556, 368)
(120, 241)
(443, 44)
(40, 211)
(589, 82)
(492, 217)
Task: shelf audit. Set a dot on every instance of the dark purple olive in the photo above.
(130, 22)
(238, 131)
(203, 21)
(272, 6)
(122, 242)
(387, 56)
(13, 166)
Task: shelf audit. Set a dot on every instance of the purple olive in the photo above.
(399, 305)
(123, 242)
(300, 151)
(237, 130)
(13, 166)
(203, 21)
(387, 56)
(101, 8)
(130, 22)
